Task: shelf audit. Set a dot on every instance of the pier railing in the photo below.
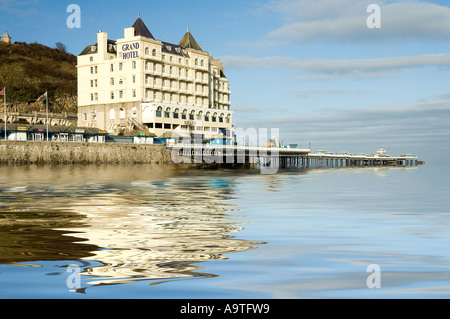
(253, 156)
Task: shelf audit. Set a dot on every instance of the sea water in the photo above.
(144, 231)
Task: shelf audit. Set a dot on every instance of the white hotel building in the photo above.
(138, 83)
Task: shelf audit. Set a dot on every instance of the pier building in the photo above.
(141, 83)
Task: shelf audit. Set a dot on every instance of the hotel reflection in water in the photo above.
(157, 231)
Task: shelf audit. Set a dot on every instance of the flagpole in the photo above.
(46, 100)
(4, 99)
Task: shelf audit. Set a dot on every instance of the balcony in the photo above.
(202, 93)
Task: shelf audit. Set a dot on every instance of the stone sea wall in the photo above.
(27, 152)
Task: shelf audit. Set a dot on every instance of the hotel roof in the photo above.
(141, 29)
(188, 41)
(93, 48)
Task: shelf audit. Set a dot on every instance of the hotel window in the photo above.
(91, 59)
(191, 116)
(134, 111)
(120, 81)
(112, 68)
(154, 52)
(214, 117)
(112, 95)
(183, 115)
(95, 70)
(170, 58)
(96, 96)
(111, 81)
(133, 65)
(146, 51)
(120, 94)
(134, 93)
(85, 116)
(120, 66)
(94, 115)
(221, 118)
(92, 96)
(159, 111)
(122, 113)
(199, 115)
(92, 83)
(175, 113)
(163, 57)
(112, 114)
(228, 118)
(92, 70)
(201, 63)
(207, 116)
(146, 65)
(167, 113)
(134, 78)
(95, 83)
(196, 61)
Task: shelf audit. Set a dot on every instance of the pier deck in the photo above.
(251, 156)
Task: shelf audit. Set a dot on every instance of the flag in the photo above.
(42, 98)
(2, 92)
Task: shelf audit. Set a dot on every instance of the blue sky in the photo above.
(311, 68)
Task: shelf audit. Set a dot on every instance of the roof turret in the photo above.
(141, 29)
(188, 41)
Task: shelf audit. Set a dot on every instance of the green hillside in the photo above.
(29, 70)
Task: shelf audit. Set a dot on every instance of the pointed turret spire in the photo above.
(188, 41)
(141, 29)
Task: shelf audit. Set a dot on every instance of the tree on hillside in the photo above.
(61, 46)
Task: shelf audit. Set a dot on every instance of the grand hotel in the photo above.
(138, 83)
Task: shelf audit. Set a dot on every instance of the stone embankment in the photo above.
(27, 152)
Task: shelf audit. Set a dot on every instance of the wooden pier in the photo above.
(254, 157)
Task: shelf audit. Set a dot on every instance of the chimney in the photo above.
(102, 44)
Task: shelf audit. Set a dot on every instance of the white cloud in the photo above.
(407, 128)
(345, 20)
(356, 68)
(307, 93)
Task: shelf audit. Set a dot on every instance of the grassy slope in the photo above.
(28, 70)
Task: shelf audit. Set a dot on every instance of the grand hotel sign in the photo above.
(130, 51)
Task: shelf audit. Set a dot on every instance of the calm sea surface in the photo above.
(156, 232)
